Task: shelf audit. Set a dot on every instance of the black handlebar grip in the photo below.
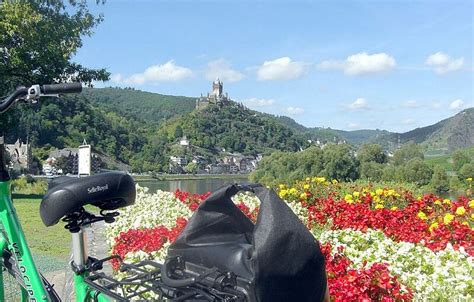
(61, 88)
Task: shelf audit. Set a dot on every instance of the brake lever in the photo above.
(23, 100)
(34, 93)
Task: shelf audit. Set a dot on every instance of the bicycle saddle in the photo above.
(107, 191)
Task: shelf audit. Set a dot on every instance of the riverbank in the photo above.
(172, 176)
(164, 177)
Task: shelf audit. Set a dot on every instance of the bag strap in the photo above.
(248, 187)
(229, 190)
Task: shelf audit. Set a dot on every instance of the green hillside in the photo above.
(446, 161)
(235, 129)
(140, 105)
(143, 129)
(450, 134)
(358, 137)
(146, 146)
(456, 132)
(67, 122)
(440, 138)
(289, 122)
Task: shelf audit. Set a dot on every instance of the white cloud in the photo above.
(117, 78)
(255, 102)
(408, 121)
(411, 104)
(438, 58)
(281, 69)
(443, 63)
(155, 73)
(294, 110)
(353, 126)
(436, 105)
(222, 69)
(361, 63)
(456, 104)
(359, 104)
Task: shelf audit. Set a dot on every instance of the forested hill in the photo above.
(143, 129)
(140, 105)
(235, 129)
(146, 146)
(68, 121)
(455, 132)
(359, 137)
(447, 135)
(450, 134)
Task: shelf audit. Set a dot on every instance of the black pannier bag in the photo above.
(278, 255)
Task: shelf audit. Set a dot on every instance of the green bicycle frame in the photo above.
(13, 239)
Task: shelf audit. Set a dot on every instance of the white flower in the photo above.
(445, 275)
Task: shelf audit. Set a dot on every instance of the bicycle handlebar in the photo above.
(61, 88)
(10, 100)
(36, 91)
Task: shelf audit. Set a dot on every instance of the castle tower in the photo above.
(216, 96)
(217, 88)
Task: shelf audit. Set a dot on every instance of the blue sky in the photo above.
(393, 65)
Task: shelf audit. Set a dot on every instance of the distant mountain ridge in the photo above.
(144, 129)
(447, 135)
(456, 132)
(450, 134)
(140, 105)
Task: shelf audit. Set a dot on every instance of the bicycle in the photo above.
(174, 280)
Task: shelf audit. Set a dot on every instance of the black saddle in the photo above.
(107, 191)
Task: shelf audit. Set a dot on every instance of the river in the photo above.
(190, 185)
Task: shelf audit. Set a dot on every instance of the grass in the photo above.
(444, 161)
(48, 241)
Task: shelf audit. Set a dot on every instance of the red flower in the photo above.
(147, 240)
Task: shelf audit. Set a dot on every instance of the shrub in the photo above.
(439, 181)
(467, 171)
(417, 171)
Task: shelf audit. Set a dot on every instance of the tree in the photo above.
(417, 171)
(39, 39)
(37, 42)
(466, 171)
(178, 132)
(406, 153)
(392, 173)
(63, 164)
(371, 153)
(311, 162)
(440, 181)
(371, 170)
(460, 158)
(340, 163)
(191, 168)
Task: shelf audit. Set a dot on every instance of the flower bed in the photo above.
(380, 243)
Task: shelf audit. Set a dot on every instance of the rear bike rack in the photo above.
(144, 281)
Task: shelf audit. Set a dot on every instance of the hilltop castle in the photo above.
(216, 97)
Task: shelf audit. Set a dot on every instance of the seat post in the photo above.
(79, 248)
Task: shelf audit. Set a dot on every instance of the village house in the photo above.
(20, 155)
